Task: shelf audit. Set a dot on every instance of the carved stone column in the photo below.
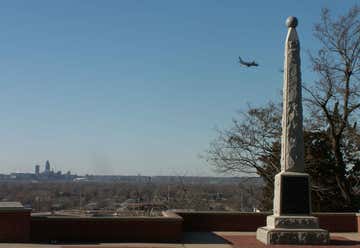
(292, 222)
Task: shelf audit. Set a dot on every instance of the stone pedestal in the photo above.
(292, 222)
(292, 194)
(292, 230)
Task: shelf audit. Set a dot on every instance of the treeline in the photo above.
(46, 196)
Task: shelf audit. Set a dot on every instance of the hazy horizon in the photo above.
(137, 87)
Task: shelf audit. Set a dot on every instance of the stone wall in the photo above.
(249, 222)
(112, 229)
(14, 226)
(222, 221)
(338, 222)
(19, 226)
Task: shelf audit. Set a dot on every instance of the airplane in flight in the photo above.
(248, 64)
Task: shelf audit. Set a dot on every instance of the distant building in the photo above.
(47, 167)
(37, 170)
(47, 174)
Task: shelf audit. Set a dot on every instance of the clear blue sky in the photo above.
(128, 87)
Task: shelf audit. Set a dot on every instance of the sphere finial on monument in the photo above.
(291, 22)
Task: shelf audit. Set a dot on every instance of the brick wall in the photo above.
(222, 221)
(163, 229)
(249, 222)
(14, 226)
(21, 227)
(338, 222)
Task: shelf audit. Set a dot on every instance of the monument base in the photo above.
(282, 236)
(292, 222)
(302, 230)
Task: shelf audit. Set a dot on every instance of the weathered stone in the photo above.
(291, 222)
(292, 142)
(291, 195)
(291, 22)
(292, 236)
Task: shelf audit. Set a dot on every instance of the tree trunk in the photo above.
(340, 173)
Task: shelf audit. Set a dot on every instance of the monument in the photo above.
(291, 222)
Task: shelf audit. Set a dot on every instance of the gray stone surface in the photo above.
(292, 236)
(278, 192)
(291, 22)
(291, 222)
(12, 206)
(292, 142)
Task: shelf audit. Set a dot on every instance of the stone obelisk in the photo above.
(291, 222)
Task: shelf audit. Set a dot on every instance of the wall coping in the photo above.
(257, 213)
(176, 215)
(222, 212)
(335, 213)
(6, 207)
(171, 214)
(107, 218)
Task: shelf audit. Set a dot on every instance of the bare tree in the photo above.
(240, 149)
(331, 136)
(334, 100)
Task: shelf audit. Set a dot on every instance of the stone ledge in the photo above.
(12, 207)
(292, 222)
(271, 236)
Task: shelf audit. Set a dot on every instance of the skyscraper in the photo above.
(37, 169)
(47, 167)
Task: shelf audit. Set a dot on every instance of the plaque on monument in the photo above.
(294, 195)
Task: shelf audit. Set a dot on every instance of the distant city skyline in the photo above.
(137, 87)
